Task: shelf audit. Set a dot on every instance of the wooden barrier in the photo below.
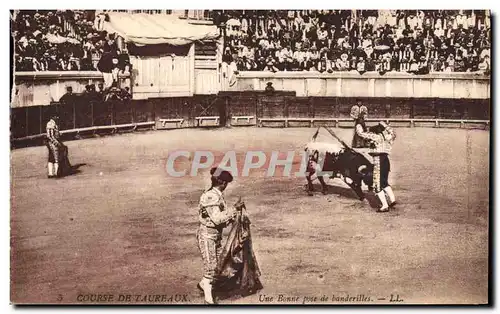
(282, 109)
(453, 85)
(337, 121)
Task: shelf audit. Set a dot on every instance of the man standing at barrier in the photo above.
(381, 138)
(214, 215)
(54, 145)
(359, 144)
(68, 97)
(359, 113)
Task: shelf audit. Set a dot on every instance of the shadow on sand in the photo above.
(346, 192)
(73, 169)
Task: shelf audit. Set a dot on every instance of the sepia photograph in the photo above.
(250, 157)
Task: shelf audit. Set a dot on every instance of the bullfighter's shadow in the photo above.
(65, 166)
(347, 192)
(72, 170)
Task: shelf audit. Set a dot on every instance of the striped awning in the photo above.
(149, 29)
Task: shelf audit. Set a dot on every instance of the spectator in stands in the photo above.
(107, 65)
(113, 93)
(101, 91)
(484, 66)
(450, 63)
(68, 97)
(125, 93)
(90, 95)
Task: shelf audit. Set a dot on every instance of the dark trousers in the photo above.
(385, 168)
(381, 169)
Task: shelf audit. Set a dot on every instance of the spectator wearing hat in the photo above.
(379, 64)
(395, 60)
(441, 64)
(325, 64)
(450, 63)
(342, 62)
(125, 94)
(439, 31)
(62, 64)
(406, 57)
(269, 88)
(299, 58)
(100, 91)
(419, 52)
(485, 66)
(369, 64)
(471, 63)
(432, 62)
(314, 56)
(412, 20)
(270, 65)
(44, 62)
(401, 19)
(406, 39)
(422, 66)
(460, 62)
(480, 18)
(361, 66)
(91, 94)
(461, 19)
(68, 97)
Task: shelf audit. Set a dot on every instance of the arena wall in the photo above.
(43, 88)
(243, 108)
(370, 84)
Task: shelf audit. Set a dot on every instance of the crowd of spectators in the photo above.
(370, 40)
(66, 40)
(413, 41)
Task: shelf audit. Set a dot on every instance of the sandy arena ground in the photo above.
(123, 226)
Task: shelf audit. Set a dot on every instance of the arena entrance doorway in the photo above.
(162, 52)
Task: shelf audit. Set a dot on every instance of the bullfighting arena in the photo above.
(123, 226)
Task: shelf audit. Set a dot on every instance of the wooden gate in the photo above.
(162, 71)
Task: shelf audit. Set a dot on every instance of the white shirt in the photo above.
(314, 55)
(485, 52)
(264, 43)
(244, 25)
(439, 32)
(285, 53)
(279, 55)
(299, 56)
(399, 33)
(367, 43)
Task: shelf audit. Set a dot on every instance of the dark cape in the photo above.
(238, 272)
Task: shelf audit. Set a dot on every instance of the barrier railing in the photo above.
(243, 108)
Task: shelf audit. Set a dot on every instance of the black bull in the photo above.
(347, 163)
